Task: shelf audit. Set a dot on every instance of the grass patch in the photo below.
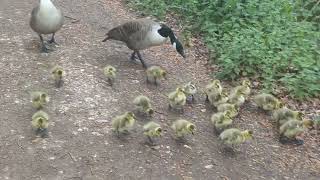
(275, 42)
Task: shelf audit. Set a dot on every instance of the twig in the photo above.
(70, 17)
(74, 19)
(160, 112)
(71, 157)
(91, 170)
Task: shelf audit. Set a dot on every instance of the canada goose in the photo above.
(216, 99)
(143, 105)
(142, 34)
(46, 19)
(234, 110)
(183, 127)
(283, 114)
(57, 74)
(39, 99)
(235, 136)
(190, 89)
(123, 123)
(110, 72)
(291, 129)
(152, 129)
(177, 99)
(40, 123)
(221, 121)
(237, 98)
(214, 88)
(154, 73)
(244, 88)
(267, 102)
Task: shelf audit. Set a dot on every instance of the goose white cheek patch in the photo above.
(174, 45)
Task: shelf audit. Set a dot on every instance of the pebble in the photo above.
(186, 146)
(210, 166)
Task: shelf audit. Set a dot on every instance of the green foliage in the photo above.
(276, 42)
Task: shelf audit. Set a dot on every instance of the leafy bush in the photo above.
(276, 42)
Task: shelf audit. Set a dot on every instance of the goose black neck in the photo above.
(165, 31)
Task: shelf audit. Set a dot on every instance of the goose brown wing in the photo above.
(137, 30)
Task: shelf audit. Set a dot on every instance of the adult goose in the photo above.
(46, 19)
(142, 34)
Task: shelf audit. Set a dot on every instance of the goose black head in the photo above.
(179, 48)
(165, 31)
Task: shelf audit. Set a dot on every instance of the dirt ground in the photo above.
(81, 144)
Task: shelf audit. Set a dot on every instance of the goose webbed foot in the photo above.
(52, 40)
(285, 140)
(59, 83)
(44, 49)
(151, 142)
(43, 133)
(207, 99)
(133, 56)
(190, 99)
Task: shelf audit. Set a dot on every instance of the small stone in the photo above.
(210, 166)
(187, 178)
(186, 146)
(155, 147)
(203, 110)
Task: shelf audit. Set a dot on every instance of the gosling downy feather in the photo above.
(183, 127)
(143, 104)
(154, 73)
(40, 122)
(46, 19)
(228, 107)
(267, 102)
(57, 74)
(244, 88)
(213, 89)
(290, 130)
(216, 99)
(39, 99)
(235, 136)
(142, 34)
(190, 89)
(110, 72)
(123, 123)
(177, 99)
(237, 98)
(283, 114)
(221, 120)
(152, 129)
